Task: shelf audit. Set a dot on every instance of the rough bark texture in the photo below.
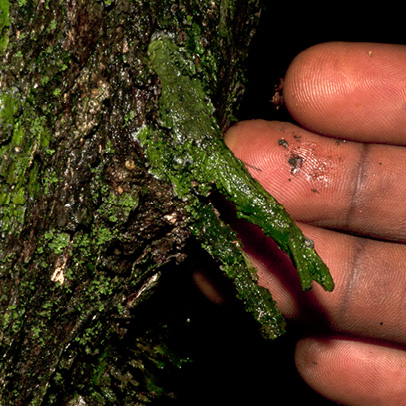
(112, 158)
(84, 227)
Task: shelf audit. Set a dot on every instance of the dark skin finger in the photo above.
(349, 92)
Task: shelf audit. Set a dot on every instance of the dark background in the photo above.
(233, 364)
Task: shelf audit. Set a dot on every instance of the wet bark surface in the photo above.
(85, 228)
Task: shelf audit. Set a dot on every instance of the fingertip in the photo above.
(315, 87)
(255, 142)
(237, 135)
(353, 372)
(230, 135)
(349, 90)
(301, 82)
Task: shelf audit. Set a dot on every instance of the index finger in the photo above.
(355, 91)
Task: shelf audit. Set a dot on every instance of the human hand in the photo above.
(346, 190)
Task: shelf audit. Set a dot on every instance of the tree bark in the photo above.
(85, 228)
(111, 115)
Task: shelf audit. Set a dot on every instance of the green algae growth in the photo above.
(188, 151)
(4, 24)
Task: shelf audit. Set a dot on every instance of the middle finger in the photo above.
(369, 299)
(326, 182)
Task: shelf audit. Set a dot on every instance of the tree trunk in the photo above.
(110, 132)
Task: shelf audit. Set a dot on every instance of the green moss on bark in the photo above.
(4, 24)
(110, 141)
(190, 153)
